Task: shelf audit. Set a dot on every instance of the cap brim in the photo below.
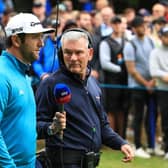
(46, 30)
(116, 21)
(42, 30)
(164, 33)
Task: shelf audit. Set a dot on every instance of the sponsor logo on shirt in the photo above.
(21, 92)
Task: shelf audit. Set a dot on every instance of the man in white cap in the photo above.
(17, 106)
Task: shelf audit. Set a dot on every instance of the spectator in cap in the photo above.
(39, 10)
(136, 55)
(114, 70)
(17, 105)
(143, 12)
(157, 24)
(138, 21)
(160, 20)
(159, 70)
(147, 17)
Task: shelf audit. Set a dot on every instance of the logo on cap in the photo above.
(20, 29)
(34, 24)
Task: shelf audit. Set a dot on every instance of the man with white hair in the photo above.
(87, 125)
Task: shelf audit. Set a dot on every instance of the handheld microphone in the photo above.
(62, 94)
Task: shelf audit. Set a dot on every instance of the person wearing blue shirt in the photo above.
(143, 97)
(48, 61)
(17, 104)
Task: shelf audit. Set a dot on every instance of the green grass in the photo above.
(112, 159)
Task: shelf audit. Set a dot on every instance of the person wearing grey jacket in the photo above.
(159, 70)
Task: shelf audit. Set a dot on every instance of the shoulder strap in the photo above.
(115, 47)
(123, 43)
(133, 45)
(151, 42)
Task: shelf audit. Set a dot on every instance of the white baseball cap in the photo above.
(25, 23)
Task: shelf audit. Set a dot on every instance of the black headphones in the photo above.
(82, 31)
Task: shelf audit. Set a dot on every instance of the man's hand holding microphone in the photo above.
(62, 94)
(58, 124)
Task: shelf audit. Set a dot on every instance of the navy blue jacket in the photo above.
(87, 126)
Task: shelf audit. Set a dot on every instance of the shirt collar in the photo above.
(22, 67)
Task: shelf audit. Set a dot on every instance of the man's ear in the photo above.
(91, 52)
(16, 41)
(133, 29)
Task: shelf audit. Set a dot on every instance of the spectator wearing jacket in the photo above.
(87, 127)
(115, 73)
(48, 61)
(157, 24)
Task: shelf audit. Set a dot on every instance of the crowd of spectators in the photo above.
(121, 59)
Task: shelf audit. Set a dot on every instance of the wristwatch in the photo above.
(51, 130)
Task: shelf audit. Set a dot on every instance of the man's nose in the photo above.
(74, 56)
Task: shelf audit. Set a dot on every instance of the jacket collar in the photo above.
(22, 67)
(76, 76)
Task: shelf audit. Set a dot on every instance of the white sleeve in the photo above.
(154, 66)
(129, 52)
(105, 58)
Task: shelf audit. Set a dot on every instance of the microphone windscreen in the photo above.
(62, 93)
